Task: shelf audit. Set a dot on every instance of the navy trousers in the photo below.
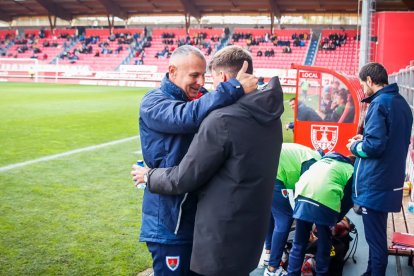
(282, 217)
(300, 243)
(268, 241)
(375, 227)
(171, 260)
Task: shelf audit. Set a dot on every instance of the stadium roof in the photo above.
(69, 9)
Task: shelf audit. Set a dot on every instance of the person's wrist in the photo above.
(146, 177)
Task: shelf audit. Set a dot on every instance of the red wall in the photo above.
(395, 47)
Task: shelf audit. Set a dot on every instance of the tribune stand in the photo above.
(328, 134)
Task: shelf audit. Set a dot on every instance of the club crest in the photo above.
(285, 193)
(173, 262)
(324, 137)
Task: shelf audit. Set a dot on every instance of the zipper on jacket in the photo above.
(179, 214)
(308, 201)
(356, 178)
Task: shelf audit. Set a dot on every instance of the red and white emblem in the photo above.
(285, 193)
(173, 262)
(324, 137)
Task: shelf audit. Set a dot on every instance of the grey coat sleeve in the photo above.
(206, 155)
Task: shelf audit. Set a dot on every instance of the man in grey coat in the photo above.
(231, 164)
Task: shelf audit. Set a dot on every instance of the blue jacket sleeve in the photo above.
(375, 134)
(207, 153)
(167, 115)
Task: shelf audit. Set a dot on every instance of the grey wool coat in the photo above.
(231, 165)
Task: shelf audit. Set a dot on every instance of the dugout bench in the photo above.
(401, 222)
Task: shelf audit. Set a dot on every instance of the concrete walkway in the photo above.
(350, 268)
(361, 256)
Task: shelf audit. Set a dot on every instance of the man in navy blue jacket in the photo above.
(169, 118)
(380, 166)
(231, 166)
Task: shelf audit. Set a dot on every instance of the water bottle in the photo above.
(140, 185)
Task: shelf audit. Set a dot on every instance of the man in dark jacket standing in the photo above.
(231, 163)
(169, 118)
(380, 166)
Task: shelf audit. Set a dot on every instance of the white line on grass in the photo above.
(63, 154)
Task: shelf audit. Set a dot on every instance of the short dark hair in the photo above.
(376, 72)
(292, 99)
(343, 93)
(231, 58)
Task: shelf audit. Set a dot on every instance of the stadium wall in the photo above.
(128, 75)
(395, 46)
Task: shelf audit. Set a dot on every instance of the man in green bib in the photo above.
(323, 197)
(294, 160)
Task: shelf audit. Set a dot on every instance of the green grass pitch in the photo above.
(79, 214)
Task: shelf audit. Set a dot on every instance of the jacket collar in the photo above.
(391, 88)
(337, 156)
(168, 87)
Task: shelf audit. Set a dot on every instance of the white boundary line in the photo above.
(63, 154)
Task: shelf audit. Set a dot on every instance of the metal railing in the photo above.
(405, 80)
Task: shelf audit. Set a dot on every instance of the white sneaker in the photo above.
(269, 273)
(266, 259)
(278, 272)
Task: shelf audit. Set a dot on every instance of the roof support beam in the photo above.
(52, 23)
(54, 9)
(153, 4)
(274, 8)
(113, 9)
(191, 9)
(111, 20)
(5, 17)
(234, 4)
(187, 23)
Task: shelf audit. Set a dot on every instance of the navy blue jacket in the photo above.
(380, 165)
(231, 163)
(168, 121)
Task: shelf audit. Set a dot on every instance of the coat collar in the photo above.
(389, 89)
(337, 156)
(170, 88)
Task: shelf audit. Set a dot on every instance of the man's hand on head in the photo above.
(247, 81)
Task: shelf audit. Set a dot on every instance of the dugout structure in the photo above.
(330, 131)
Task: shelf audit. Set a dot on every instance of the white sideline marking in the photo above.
(63, 154)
